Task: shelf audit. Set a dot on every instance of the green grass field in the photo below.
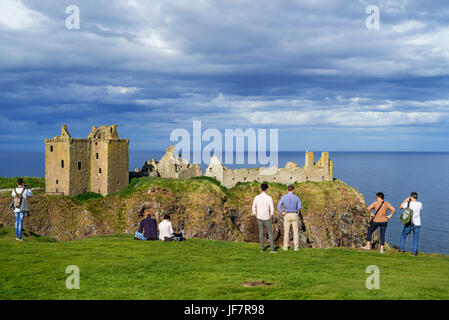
(118, 267)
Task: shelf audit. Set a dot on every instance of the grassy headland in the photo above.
(118, 267)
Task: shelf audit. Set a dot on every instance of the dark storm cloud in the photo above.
(153, 66)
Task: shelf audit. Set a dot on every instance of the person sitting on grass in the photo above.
(166, 232)
(147, 228)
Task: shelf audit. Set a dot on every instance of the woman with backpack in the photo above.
(20, 205)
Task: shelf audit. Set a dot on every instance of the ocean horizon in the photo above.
(397, 174)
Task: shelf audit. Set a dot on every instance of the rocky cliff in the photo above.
(333, 213)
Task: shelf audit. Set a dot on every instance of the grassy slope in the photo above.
(6, 183)
(117, 267)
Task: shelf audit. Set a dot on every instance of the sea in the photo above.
(396, 174)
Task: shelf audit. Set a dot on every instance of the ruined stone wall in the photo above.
(322, 171)
(118, 165)
(57, 179)
(99, 166)
(79, 166)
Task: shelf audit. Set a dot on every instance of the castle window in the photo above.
(79, 165)
(111, 130)
(62, 163)
(291, 178)
(274, 178)
(51, 148)
(244, 178)
(118, 181)
(96, 143)
(57, 181)
(96, 155)
(99, 170)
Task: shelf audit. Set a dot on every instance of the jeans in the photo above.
(267, 225)
(405, 232)
(373, 226)
(19, 223)
(140, 236)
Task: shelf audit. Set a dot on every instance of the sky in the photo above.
(311, 69)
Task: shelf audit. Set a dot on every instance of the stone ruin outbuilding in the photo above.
(323, 170)
(171, 167)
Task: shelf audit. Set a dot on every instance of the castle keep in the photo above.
(97, 164)
(323, 170)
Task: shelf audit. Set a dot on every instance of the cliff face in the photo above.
(333, 213)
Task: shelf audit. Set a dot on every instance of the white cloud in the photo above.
(14, 15)
(347, 119)
(121, 90)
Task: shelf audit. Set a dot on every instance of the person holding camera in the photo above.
(20, 205)
(414, 225)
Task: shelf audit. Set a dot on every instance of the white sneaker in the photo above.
(366, 248)
(284, 249)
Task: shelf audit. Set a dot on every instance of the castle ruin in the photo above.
(323, 170)
(97, 164)
(171, 167)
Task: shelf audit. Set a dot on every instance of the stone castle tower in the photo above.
(97, 164)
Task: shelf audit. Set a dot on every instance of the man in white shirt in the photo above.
(20, 205)
(166, 228)
(263, 209)
(414, 225)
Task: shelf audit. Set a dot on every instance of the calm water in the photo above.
(395, 174)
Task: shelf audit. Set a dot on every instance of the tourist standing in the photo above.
(263, 209)
(20, 205)
(380, 219)
(414, 225)
(291, 204)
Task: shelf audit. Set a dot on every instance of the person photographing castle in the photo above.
(414, 225)
(19, 205)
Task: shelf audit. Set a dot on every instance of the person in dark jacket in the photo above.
(19, 205)
(147, 228)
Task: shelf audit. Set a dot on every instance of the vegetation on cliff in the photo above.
(333, 213)
(33, 182)
(117, 267)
